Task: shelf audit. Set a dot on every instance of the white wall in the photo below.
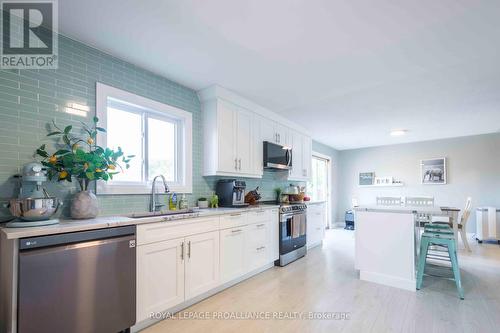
(473, 170)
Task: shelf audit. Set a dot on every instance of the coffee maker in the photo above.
(231, 193)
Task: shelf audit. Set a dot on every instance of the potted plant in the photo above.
(278, 191)
(202, 203)
(82, 159)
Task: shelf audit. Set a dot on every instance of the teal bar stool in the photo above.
(442, 236)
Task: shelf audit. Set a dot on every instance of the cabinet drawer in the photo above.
(257, 256)
(160, 231)
(259, 216)
(258, 234)
(233, 220)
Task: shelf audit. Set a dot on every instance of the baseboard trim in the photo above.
(387, 280)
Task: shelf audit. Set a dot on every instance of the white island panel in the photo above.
(385, 248)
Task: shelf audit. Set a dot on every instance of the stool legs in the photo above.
(424, 246)
(456, 271)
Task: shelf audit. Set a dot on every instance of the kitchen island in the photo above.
(386, 244)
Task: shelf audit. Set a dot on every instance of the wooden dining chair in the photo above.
(462, 225)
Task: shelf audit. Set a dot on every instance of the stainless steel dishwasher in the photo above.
(78, 282)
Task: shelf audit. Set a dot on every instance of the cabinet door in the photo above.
(160, 277)
(296, 142)
(257, 146)
(307, 157)
(244, 143)
(257, 245)
(282, 134)
(232, 253)
(226, 121)
(202, 263)
(267, 131)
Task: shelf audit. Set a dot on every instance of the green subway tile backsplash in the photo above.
(31, 99)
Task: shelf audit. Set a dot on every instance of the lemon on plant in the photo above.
(53, 159)
(75, 146)
(90, 141)
(98, 170)
(111, 167)
(63, 174)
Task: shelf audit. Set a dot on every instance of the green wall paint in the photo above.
(30, 99)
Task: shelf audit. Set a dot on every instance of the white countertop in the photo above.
(405, 209)
(66, 225)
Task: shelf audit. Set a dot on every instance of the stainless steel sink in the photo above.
(169, 215)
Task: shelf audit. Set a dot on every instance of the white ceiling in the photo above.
(349, 71)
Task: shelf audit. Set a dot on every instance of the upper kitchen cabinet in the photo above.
(301, 156)
(230, 137)
(274, 132)
(234, 131)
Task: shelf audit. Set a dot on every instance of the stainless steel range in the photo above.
(293, 225)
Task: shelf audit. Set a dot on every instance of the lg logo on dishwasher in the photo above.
(29, 35)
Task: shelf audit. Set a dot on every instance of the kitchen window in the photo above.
(159, 135)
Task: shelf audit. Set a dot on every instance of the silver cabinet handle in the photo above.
(260, 225)
(276, 137)
(189, 249)
(260, 248)
(235, 164)
(237, 230)
(239, 163)
(234, 215)
(182, 251)
(279, 138)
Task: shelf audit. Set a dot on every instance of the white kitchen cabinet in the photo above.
(257, 244)
(160, 277)
(226, 117)
(307, 157)
(274, 234)
(244, 141)
(232, 253)
(316, 223)
(201, 263)
(274, 132)
(229, 140)
(301, 156)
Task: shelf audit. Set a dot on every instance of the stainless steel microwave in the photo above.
(277, 156)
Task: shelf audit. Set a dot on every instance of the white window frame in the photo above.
(184, 166)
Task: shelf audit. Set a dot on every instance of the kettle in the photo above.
(291, 189)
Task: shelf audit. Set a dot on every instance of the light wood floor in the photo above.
(325, 280)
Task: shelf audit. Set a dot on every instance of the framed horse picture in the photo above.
(433, 171)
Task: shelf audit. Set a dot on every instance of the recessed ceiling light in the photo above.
(398, 132)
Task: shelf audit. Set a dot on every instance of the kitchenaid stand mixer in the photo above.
(33, 206)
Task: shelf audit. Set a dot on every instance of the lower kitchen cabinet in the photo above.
(177, 262)
(257, 244)
(202, 263)
(232, 253)
(160, 277)
(316, 223)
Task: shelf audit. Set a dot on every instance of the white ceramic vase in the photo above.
(84, 205)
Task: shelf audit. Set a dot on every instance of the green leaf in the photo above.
(67, 129)
(100, 129)
(66, 140)
(54, 133)
(90, 175)
(42, 153)
(96, 120)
